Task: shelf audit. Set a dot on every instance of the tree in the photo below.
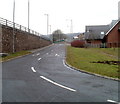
(58, 35)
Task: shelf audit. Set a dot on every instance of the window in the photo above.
(102, 33)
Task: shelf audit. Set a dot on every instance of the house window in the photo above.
(102, 33)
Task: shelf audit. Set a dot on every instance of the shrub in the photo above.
(78, 43)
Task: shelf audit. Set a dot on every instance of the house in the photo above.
(81, 36)
(112, 37)
(95, 34)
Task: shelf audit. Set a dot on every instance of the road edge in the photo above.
(86, 72)
(32, 51)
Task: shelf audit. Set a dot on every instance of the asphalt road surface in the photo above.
(43, 77)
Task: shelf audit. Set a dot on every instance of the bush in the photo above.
(78, 43)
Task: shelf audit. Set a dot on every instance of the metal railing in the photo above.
(17, 26)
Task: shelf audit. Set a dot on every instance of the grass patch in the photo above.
(14, 55)
(83, 58)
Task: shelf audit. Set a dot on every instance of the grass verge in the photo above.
(83, 58)
(14, 55)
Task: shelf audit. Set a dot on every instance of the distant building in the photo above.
(112, 37)
(81, 36)
(95, 34)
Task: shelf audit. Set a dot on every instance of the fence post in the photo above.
(6, 22)
(20, 27)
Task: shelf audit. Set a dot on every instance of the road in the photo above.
(43, 77)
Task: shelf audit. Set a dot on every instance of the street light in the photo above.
(47, 23)
(71, 25)
(50, 28)
(14, 26)
(28, 15)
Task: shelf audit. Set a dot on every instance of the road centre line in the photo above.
(33, 69)
(57, 55)
(38, 54)
(70, 89)
(33, 55)
(113, 101)
(39, 59)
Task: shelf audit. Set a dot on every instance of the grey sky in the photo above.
(82, 12)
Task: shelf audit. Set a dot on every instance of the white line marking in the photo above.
(39, 59)
(57, 55)
(113, 101)
(33, 55)
(47, 53)
(66, 65)
(33, 69)
(38, 54)
(70, 89)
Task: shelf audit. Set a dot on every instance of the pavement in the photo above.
(43, 77)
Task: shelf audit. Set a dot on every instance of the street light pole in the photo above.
(50, 28)
(71, 26)
(14, 26)
(47, 23)
(28, 14)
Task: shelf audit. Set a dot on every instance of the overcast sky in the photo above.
(82, 12)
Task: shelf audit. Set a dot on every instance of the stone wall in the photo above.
(22, 40)
(0, 38)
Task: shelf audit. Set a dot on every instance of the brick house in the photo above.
(112, 37)
(95, 34)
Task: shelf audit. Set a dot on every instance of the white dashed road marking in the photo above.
(57, 55)
(33, 69)
(39, 59)
(33, 55)
(70, 89)
(38, 54)
(113, 101)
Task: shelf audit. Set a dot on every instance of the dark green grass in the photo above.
(14, 55)
(83, 58)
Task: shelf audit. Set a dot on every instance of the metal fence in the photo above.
(17, 26)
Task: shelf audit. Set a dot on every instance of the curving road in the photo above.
(43, 77)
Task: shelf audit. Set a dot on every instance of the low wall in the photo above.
(22, 40)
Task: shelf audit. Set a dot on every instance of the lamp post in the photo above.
(71, 25)
(28, 16)
(14, 26)
(71, 30)
(47, 23)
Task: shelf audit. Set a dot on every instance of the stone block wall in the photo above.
(22, 40)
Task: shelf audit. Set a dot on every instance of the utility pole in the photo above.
(119, 10)
(14, 26)
(47, 23)
(71, 30)
(71, 25)
(28, 16)
(50, 28)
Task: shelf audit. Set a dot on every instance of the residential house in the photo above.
(81, 36)
(112, 37)
(95, 34)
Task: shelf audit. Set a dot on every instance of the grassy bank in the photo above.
(14, 55)
(85, 59)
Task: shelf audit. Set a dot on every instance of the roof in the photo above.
(112, 27)
(96, 31)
